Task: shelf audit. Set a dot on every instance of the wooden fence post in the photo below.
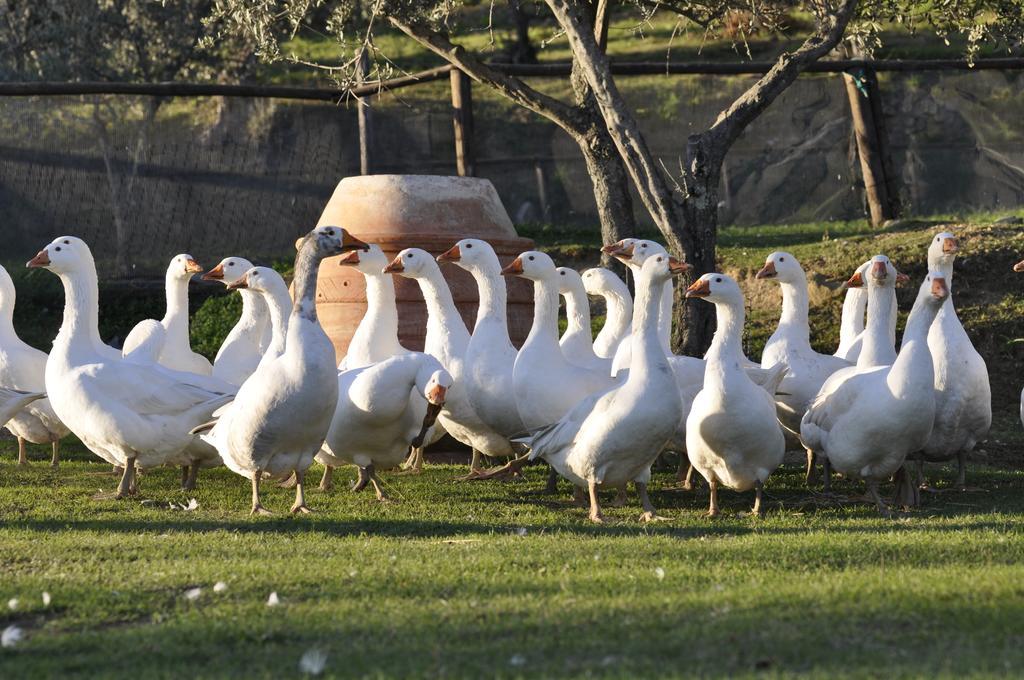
(365, 116)
(866, 110)
(462, 119)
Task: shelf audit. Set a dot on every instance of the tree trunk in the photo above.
(611, 185)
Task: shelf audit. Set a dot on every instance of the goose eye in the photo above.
(231, 264)
(330, 232)
(643, 245)
(782, 259)
(469, 245)
(718, 280)
(562, 273)
(530, 258)
(57, 249)
(67, 242)
(659, 259)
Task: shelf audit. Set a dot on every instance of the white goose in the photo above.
(633, 253)
(490, 356)
(279, 419)
(277, 301)
(169, 336)
(23, 368)
(546, 383)
(733, 436)
(618, 304)
(447, 340)
(868, 424)
(790, 344)
(129, 414)
(855, 304)
(577, 341)
(241, 350)
(963, 397)
(375, 421)
(376, 336)
(611, 438)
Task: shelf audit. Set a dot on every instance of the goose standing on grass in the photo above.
(241, 350)
(375, 421)
(169, 336)
(23, 368)
(618, 304)
(612, 437)
(733, 437)
(279, 419)
(577, 341)
(790, 345)
(447, 340)
(963, 396)
(490, 356)
(546, 383)
(130, 414)
(13, 401)
(868, 424)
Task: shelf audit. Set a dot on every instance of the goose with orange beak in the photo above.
(447, 339)
(611, 438)
(963, 396)
(241, 350)
(376, 420)
(790, 345)
(490, 355)
(868, 424)
(168, 338)
(733, 437)
(618, 303)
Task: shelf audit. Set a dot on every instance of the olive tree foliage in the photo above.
(115, 41)
(680, 194)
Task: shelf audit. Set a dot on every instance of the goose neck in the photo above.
(665, 315)
(493, 295)
(577, 312)
(618, 313)
(176, 317)
(545, 313)
(441, 309)
(307, 266)
(647, 346)
(726, 346)
(250, 310)
(80, 327)
(854, 306)
(278, 323)
(380, 303)
(881, 301)
(913, 369)
(794, 304)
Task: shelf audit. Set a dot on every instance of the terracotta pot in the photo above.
(422, 211)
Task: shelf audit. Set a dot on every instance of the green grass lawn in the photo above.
(497, 579)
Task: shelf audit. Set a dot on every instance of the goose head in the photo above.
(433, 384)
(533, 265)
(182, 267)
(942, 250)
(597, 281)
(570, 281)
(412, 263)
(228, 270)
(472, 254)
(370, 261)
(64, 255)
(716, 288)
(326, 241)
(782, 267)
(255, 278)
(636, 252)
(879, 271)
(619, 247)
(660, 268)
(935, 288)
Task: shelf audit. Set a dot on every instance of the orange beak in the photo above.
(767, 271)
(395, 266)
(677, 267)
(514, 268)
(855, 281)
(1019, 267)
(878, 270)
(349, 259)
(624, 252)
(41, 259)
(436, 395)
(613, 248)
(193, 267)
(901, 278)
(242, 282)
(939, 287)
(350, 242)
(215, 274)
(699, 289)
(950, 245)
(451, 255)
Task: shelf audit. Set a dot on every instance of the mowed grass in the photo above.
(499, 580)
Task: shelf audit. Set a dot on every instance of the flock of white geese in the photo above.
(598, 410)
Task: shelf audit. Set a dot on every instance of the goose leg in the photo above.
(136, 474)
(809, 475)
(826, 482)
(552, 486)
(300, 497)
(506, 471)
(595, 509)
(375, 480)
(880, 505)
(116, 470)
(579, 496)
(288, 483)
(713, 507)
(193, 475)
(257, 507)
(327, 481)
(475, 468)
(688, 482)
(961, 470)
(649, 514)
(361, 481)
(22, 457)
(908, 495)
(184, 477)
(759, 499)
(55, 459)
(125, 487)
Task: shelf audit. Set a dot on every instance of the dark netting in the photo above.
(142, 179)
